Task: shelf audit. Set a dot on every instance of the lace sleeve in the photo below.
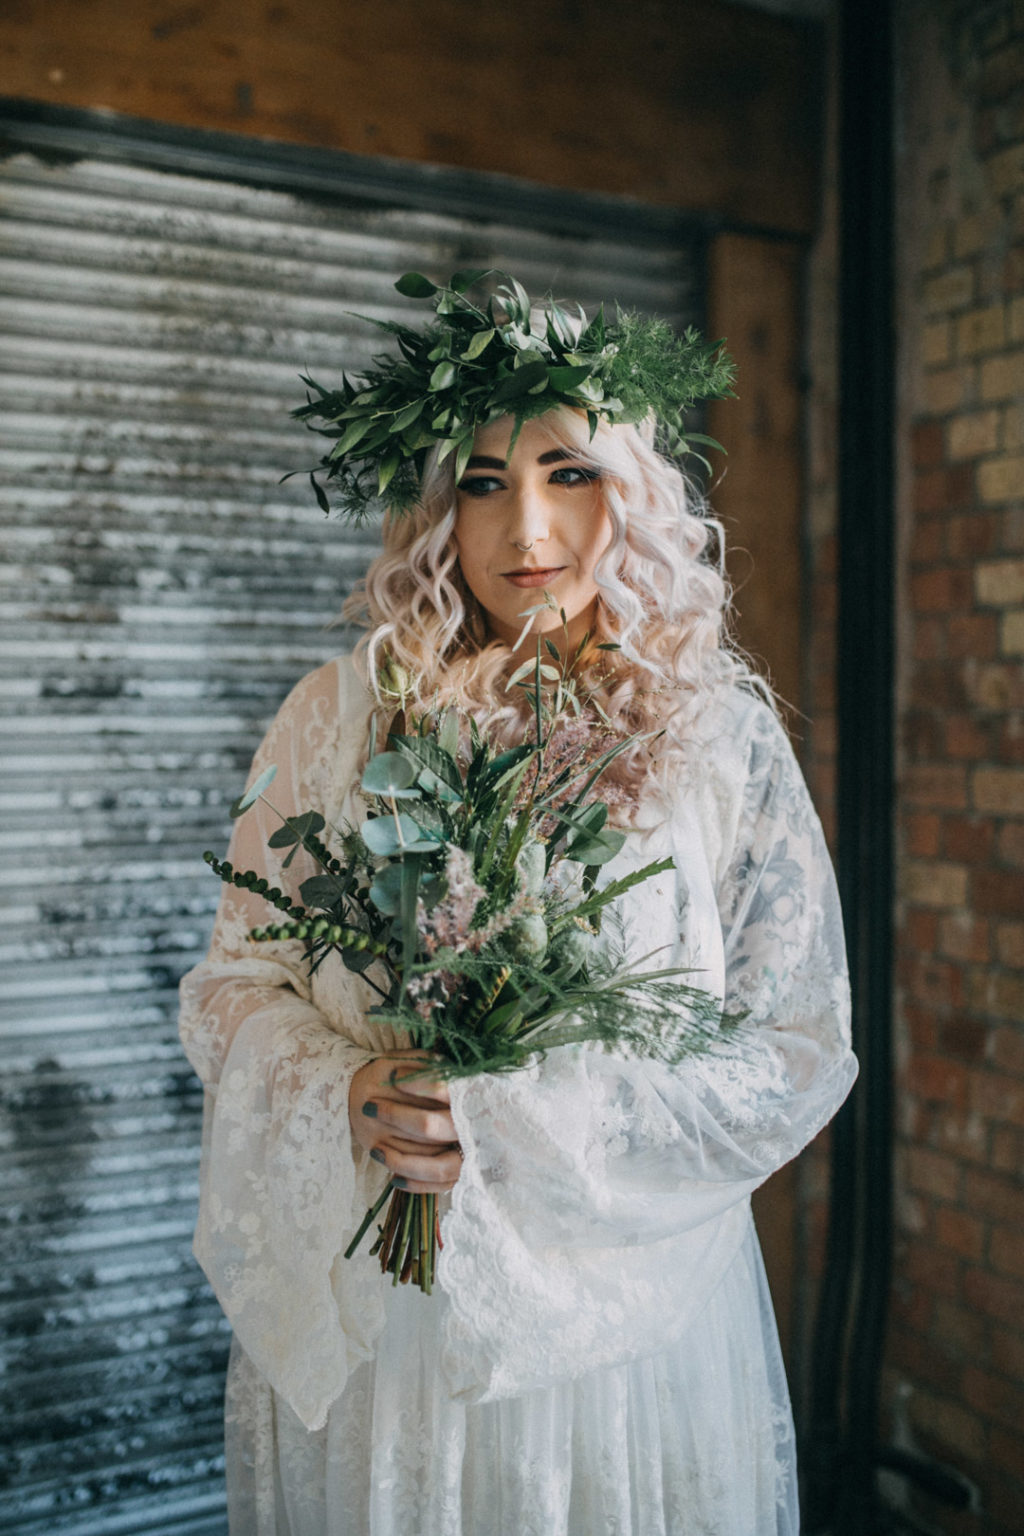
(602, 1199)
(280, 1183)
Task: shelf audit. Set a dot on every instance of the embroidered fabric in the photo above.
(601, 1352)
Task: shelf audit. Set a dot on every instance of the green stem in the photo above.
(402, 1241)
(366, 1221)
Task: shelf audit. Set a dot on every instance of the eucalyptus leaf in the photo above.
(252, 794)
(383, 837)
(389, 773)
(385, 892)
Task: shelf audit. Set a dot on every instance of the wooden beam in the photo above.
(690, 103)
(755, 301)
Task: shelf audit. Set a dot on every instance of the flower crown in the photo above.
(473, 364)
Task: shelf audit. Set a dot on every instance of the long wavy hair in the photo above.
(662, 599)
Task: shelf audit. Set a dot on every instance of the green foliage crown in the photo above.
(476, 363)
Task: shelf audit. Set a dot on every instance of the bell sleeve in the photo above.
(279, 1180)
(602, 1199)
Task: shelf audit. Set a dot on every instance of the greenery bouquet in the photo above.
(469, 901)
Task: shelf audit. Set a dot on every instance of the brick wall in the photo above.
(955, 1374)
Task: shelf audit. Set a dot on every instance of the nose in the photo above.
(529, 516)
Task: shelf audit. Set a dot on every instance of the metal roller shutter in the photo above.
(161, 592)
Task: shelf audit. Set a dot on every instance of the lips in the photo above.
(533, 576)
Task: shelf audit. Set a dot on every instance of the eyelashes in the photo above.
(565, 475)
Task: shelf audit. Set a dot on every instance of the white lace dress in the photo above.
(600, 1355)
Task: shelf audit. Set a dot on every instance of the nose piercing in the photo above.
(524, 547)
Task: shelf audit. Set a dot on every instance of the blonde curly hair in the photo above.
(663, 599)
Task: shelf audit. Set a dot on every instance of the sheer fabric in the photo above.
(601, 1353)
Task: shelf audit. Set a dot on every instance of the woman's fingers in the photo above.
(416, 1122)
(421, 1175)
(407, 1128)
(411, 1081)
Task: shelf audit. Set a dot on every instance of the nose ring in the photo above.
(524, 547)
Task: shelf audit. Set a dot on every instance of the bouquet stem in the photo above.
(407, 1241)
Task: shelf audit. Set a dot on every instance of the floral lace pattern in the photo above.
(598, 1246)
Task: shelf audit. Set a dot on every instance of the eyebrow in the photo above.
(553, 455)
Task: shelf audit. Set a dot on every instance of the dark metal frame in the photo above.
(307, 171)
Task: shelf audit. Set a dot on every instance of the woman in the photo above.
(601, 1354)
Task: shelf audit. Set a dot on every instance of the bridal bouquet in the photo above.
(469, 902)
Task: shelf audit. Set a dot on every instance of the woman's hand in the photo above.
(409, 1130)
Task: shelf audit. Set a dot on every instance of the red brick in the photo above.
(921, 1025)
(913, 1306)
(938, 685)
(930, 639)
(964, 1332)
(962, 1134)
(928, 443)
(1010, 746)
(935, 982)
(1012, 276)
(999, 1098)
(939, 785)
(951, 1427)
(926, 1362)
(962, 937)
(937, 1270)
(1010, 844)
(1011, 537)
(1007, 1149)
(928, 541)
(934, 1173)
(932, 1077)
(992, 1195)
(973, 634)
(995, 1295)
(923, 735)
(920, 931)
(944, 490)
(973, 533)
(993, 1396)
(1006, 1250)
(959, 1232)
(964, 1037)
(921, 832)
(998, 891)
(1006, 1050)
(967, 738)
(968, 839)
(942, 590)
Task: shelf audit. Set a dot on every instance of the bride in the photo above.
(600, 1354)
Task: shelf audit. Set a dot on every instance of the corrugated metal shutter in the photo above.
(161, 591)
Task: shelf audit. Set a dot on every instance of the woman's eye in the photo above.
(480, 485)
(574, 474)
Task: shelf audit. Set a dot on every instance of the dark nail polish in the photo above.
(399, 1182)
(370, 1110)
(377, 1155)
